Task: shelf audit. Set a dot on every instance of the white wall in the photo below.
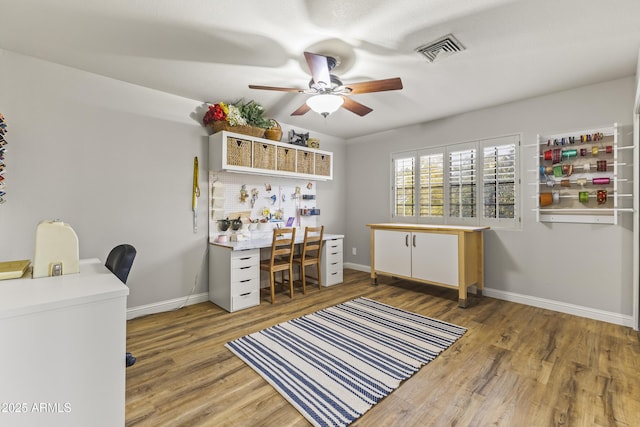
(581, 264)
(115, 161)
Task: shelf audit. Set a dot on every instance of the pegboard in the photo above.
(282, 197)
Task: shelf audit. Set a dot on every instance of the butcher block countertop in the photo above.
(424, 227)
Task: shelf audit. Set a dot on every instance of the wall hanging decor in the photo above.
(3, 145)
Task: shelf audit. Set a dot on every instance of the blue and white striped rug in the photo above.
(335, 364)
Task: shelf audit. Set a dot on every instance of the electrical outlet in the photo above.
(353, 251)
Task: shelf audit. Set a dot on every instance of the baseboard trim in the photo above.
(559, 306)
(358, 267)
(562, 307)
(162, 306)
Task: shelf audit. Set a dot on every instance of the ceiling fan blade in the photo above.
(355, 107)
(303, 109)
(281, 89)
(375, 86)
(319, 68)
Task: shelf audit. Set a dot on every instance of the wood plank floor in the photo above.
(516, 365)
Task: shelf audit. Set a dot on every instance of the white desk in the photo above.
(234, 269)
(62, 348)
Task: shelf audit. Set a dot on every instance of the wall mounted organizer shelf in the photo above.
(234, 152)
(580, 177)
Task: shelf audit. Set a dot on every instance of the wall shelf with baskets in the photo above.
(233, 152)
(581, 177)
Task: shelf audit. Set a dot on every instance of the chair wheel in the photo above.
(130, 359)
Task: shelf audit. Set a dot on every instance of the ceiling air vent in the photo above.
(445, 46)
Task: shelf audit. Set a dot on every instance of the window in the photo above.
(473, 183)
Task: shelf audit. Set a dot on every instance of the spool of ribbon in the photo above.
(602, 197)
(565, 183)
(556, 155)
(581, 181)
(583, 196)
(551, 182)
(594, 151)
(555, 196)
(547, 155)
(609, 149)
(583, 152)
(569, 153)
(557, 171)
(601, 166)
(586, 167)
(546, 199)
(548, 170)
(601, 181)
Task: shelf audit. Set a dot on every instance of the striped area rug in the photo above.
(335, 364)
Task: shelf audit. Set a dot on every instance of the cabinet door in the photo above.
(392, 252)
(435, 257)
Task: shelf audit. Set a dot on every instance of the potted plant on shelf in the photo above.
(242, 117)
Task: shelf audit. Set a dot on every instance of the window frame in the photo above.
(479, 219)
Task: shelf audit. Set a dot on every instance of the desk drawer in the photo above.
(333, 256)
(334, 245)
(245, 258)
(333, 277)
(244, 273)
(244, 286)
(246, 300)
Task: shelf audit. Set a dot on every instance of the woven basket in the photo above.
(305, 162)
(274, 133)
(286, 159)
(217, 126)
(264, 156)
(238, 152)
(323, 164)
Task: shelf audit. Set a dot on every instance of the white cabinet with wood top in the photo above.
(450, 256)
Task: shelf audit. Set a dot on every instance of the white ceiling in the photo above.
(211, 50)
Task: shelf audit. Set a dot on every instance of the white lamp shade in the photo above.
(325, 104)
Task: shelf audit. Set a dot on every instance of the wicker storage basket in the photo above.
(286, 159)
(264, 156)
(274, 133)
(238, 152)
(305, 162)
(245, 130)
(323, 164)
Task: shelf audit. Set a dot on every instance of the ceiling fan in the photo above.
(329, 93)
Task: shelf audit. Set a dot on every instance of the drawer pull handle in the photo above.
(245, 294)
(334, 253)
(245, 258)
(333, 274)
(334, 263)
(406, 240)
(244, 268)
(245, 281)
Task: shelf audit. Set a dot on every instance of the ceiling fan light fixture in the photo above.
(325, 104)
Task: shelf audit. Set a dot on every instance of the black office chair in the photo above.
(119, 262)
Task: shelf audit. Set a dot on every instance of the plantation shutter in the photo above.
(404, 185)
(432, 185)
(462, 183)
(500, 179)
